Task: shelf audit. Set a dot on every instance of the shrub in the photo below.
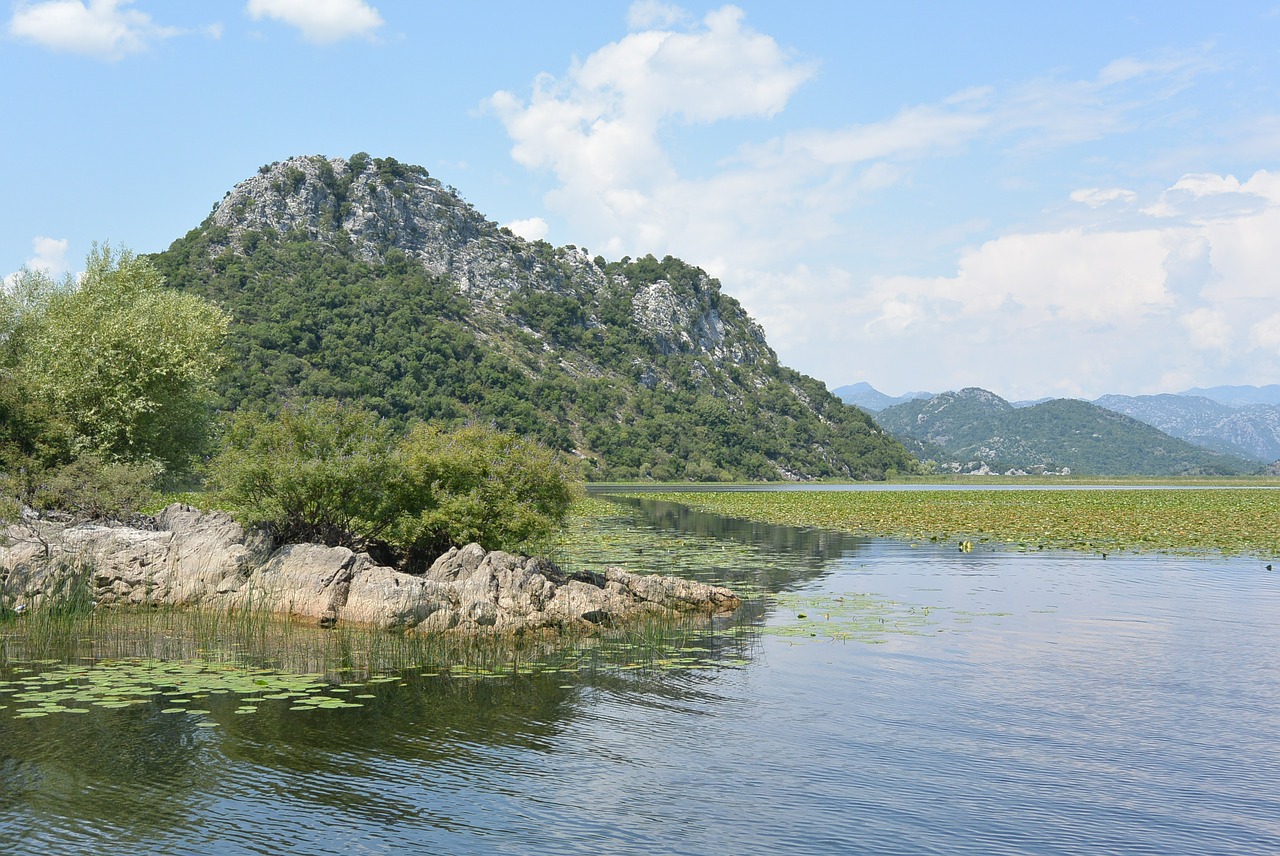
(478, 484)
(315, 472)
(336, 475)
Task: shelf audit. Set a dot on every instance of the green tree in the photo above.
(337, 475)
(124, 363)
(478, 484)
(104, 384)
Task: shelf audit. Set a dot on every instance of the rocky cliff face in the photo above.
(380, 205)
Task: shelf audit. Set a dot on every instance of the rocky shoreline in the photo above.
(206, 560)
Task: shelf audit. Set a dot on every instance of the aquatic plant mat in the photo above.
(1228, 520)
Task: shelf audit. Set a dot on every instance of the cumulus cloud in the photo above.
(653, 13)
(1179, 296)
(532, 229)
(48, 255)
(321, 21)
(1266, 334)
(106, 29)
(1097, 197)
(1208, 329)
(1139, 284)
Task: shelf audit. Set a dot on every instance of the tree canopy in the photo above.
(111, 367)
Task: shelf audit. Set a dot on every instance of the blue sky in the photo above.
(1070, 200)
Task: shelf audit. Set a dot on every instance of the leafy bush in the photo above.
(336, 475)
(104, 386)
(125, 364)
(315, 472)
(477, 484)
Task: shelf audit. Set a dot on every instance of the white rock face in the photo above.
(206, 560)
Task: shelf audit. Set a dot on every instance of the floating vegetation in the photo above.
(169, 687)
(1227, 520)
(601, 534)
(844, 617)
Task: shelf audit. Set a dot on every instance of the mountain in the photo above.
(1239, 396)
(869, 398)
(1251, 431)
(365, 279)
(974, 430)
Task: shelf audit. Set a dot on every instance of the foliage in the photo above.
(104, 385)
(91, 488)
(478, 484)
(1231, 520)
(123, 363)
(973, 427)
(314, 472)
(334, 474)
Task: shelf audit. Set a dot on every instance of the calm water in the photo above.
(945, 703)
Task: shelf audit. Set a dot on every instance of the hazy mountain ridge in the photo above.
(869, 398)
(1231, 420)
(974, 430)
(1251, 431)
(365, 279)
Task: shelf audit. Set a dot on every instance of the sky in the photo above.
(1038, 199)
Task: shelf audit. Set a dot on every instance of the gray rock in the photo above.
(207, 560)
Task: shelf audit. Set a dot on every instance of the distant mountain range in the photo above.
(1240, 421)
(869, 398)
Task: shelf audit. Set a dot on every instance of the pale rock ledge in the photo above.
(207, 560)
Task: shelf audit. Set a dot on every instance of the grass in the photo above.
(1241, 520)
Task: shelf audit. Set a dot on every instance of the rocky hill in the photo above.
(365, 279)
(974, 430)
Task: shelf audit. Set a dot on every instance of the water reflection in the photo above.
(774, 558)
(1050, 703)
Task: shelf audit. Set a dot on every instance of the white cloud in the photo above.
(1208, 329)
(1128, 290)
(1266, 334)
(1177, 298)
(654, 13)
(321, 21)
(1096, 197)
(599, 125)
(105, 29)
(532, 229)
(50, 255)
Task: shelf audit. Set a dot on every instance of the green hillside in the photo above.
(974, 430)
(365, 280)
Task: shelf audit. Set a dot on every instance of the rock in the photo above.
(206, 559)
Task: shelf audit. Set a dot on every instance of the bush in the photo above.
(478, 484)
(325, 473)
(114, 360)
(315, 472)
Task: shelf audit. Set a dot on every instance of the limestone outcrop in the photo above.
(207, 560)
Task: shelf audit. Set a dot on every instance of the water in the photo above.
(950, 703)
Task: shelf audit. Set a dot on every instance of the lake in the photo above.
(876, 697)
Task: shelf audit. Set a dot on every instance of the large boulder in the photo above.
(206, 559)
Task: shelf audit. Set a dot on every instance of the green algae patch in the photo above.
(1226, 520)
